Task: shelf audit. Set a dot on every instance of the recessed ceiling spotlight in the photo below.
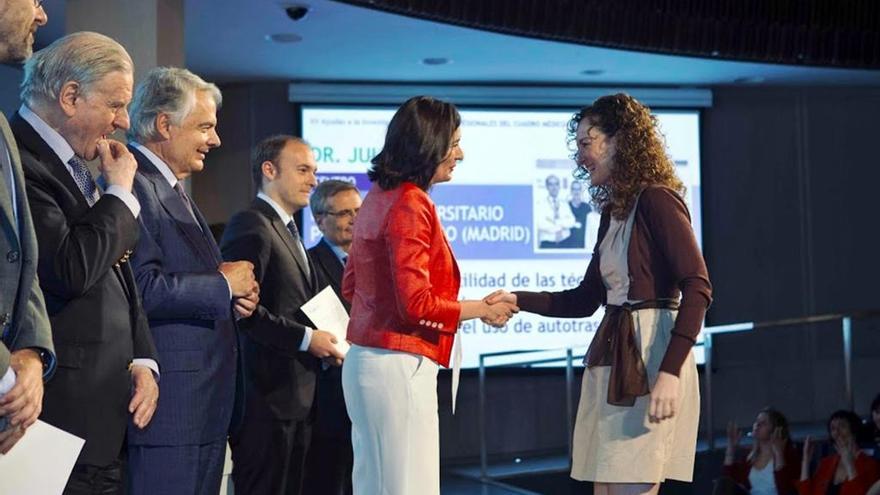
(592, 72)
(297, 12)
(436, 61)
(284, 38)
(749, 80)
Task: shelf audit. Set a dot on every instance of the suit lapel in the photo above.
(10, 226)
(28, 139)
(176, 209)
(331, 262)
(287, 239)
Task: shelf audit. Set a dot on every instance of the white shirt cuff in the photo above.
(148, 363)
(127, 197)
(7, 382)
(307, 340)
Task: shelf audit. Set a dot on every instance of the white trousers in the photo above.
(391, 398)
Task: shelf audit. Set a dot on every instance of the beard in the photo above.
(16, 47)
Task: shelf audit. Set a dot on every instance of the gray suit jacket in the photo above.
(22, 307)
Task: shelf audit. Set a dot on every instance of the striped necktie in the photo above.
(298, 248)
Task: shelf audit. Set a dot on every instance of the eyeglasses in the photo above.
(343, 213)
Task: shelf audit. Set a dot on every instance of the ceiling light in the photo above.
(283, 37)
(436, 61)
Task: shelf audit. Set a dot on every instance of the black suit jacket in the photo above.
(274, 368)
(98, 324)
(330, 413)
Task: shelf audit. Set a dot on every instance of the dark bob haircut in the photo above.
(418, 139)
(852, 420)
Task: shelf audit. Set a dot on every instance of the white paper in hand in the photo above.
(327, 313)
(40, 462)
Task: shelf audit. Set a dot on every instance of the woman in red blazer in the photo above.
(402, 281)
(849, 471)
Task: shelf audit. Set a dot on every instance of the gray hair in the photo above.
(168, 90)
(84, 58)
(326, 190)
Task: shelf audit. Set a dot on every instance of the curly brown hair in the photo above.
(639, 159)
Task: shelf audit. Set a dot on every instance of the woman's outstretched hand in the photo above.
(501, 305)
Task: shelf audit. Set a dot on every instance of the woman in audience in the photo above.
(848, 471)
(874, 428)
(771, 467)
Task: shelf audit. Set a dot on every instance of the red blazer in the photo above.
(785, 478)
(401, 277)
(867, 472)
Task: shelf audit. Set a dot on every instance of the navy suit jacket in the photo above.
(98, 324)
(190, 313)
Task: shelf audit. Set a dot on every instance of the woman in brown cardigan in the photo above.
(639, 408)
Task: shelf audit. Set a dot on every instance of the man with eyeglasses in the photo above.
(27, 355)
(334, 205)
(281, 348)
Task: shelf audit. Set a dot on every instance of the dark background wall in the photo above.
(10, 78)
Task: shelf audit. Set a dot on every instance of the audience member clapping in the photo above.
(847, 471)
(873, 428)
(771, 466)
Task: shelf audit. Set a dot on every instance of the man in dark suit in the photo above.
(334, 205)
(279, 344)
(75, 93)
(189, 293)
(26, 351)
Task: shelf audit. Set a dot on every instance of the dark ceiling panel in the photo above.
(832, 33)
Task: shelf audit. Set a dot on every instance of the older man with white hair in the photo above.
(190, 295)
(75, 94)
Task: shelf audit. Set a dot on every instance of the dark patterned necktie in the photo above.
(298, 249)
(83, 178)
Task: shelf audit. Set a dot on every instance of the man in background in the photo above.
(579, 209)
(553, 217)
(335, 205)
(280, 345)
(27, 355)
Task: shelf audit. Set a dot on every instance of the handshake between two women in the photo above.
(495, 309)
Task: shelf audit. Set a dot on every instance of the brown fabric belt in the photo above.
(615, 345)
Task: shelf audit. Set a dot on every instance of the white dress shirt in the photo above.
(64, 152)
(285, 219)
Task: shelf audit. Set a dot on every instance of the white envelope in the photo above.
(327, 313)
(40, 462)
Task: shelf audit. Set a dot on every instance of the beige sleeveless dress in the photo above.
(615, 444)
